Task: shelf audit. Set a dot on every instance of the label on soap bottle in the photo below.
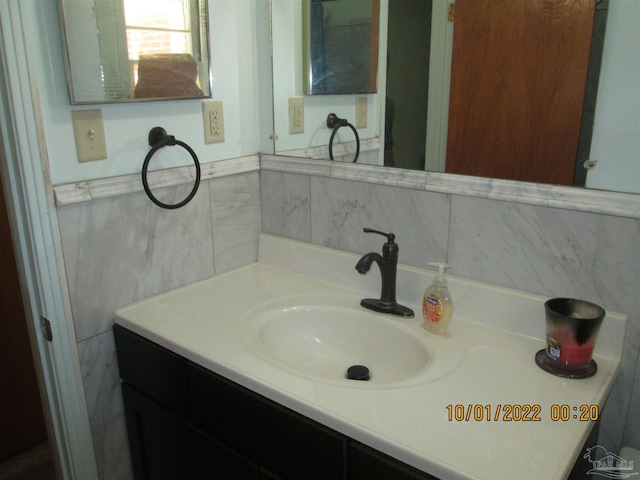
(432, 308)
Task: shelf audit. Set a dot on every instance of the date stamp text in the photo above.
(521, 413)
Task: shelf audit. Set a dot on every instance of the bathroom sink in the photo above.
(321, 338)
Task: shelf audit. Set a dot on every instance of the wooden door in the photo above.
(518, 78)
(21, 419)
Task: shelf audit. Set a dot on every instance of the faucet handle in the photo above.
(390, 236)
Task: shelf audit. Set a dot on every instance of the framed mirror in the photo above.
(135, 50)
(608, 106)
(341, 46)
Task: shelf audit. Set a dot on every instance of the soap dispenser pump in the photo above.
(437, 304)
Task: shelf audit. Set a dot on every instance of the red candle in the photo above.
(562, 345)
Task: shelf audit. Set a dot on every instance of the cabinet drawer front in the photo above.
(276, 438)
(153, 370)
(366, 463)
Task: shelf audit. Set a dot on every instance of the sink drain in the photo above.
(358, 372)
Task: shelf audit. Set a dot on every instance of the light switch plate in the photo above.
(213, 118)
(89, 132)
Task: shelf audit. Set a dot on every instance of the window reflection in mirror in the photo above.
(130, 50)
(341, 46)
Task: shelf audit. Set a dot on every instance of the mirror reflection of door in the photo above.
(500, 82)
(517, 88)
(408, 47)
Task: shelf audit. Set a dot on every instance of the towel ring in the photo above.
(333, 121)
(159, 138)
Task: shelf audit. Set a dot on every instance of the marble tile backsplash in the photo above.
(540, 249)
(122, 249)
(551, 252)
(342, 208)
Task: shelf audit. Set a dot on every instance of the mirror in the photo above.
(135, 50)
(616, 169)
(341, 46)
(288, 82)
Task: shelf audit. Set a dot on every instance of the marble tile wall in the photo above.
(545, 250)
(556, 252)
(122, 249)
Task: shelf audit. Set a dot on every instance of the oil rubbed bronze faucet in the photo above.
(388, 264)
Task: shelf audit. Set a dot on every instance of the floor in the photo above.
(34, 464)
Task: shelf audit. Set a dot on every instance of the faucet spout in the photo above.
(364, 264)
(387, 262)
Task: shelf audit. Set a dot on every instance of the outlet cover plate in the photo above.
(213, 120)
(296, 115)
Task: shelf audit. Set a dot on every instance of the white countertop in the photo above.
(500, 330)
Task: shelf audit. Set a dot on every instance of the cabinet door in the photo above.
(164, 447)
(281, 441)
(158, 440)
(366, 463)
(155, 371)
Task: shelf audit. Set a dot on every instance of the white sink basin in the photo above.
(321, 337)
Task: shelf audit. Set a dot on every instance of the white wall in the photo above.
(616, 136)
(237, 54)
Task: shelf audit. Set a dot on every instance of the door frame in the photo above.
(36, 238)
(439, 86)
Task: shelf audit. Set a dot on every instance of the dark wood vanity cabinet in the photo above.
(165, 446)
(367, 463)
(186, 422)
(276, 438)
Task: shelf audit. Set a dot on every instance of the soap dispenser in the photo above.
(437, 304)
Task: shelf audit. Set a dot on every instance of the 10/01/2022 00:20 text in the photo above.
(520, 413)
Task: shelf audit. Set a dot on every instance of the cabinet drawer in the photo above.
(366, 463)
(154, 370)
(274, 437)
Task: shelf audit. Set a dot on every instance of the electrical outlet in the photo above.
(213, 118)
(361, 112)
(89, 132)
(296, 115)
